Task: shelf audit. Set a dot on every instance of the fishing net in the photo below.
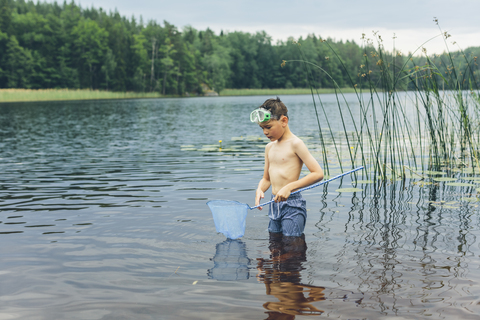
(229, 217)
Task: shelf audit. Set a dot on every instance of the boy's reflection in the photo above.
(281, 275)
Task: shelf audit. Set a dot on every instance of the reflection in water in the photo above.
(103, 215)
(405, 250)
(231, 261)
(281, 276)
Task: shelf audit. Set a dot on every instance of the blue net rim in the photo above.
(225, 203)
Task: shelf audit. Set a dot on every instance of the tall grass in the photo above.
(18, 95)
(411, 116)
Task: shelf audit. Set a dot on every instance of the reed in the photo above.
(19, 95)
(411, 116)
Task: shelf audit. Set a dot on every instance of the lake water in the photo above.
(103, 215)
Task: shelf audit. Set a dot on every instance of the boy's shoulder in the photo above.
(296, 141)
(293, 142)
(269, 145)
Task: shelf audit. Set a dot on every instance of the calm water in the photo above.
(103, 216)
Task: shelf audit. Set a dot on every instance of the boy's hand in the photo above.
(283, 194)
(259, 195)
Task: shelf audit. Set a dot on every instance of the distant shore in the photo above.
(266, 92)
(26, 95)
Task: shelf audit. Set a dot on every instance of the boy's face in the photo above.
(274, 129)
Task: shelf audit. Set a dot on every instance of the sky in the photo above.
(402, 24)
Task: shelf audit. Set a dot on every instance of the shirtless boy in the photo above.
(284, 157)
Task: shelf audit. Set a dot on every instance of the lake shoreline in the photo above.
(34, 95)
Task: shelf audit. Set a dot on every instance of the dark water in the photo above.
(103, 216)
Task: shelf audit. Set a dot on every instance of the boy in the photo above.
(284, 158)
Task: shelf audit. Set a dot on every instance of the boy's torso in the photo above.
(284, 164)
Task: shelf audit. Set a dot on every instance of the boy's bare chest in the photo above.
(282, 155)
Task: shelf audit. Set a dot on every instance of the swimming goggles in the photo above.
(260, 115)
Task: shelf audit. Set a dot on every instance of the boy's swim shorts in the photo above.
(288, 217)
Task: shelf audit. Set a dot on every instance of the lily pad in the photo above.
(365, 181)
(434, 173)
(237, 138)
(460, 184)
(475, 179)
(188, 149)
(470, 170)
(472, 199)
(349, 190)
(442, 179)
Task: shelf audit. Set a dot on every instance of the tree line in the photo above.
(51, 45)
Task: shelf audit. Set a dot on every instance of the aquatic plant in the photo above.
(410, 117)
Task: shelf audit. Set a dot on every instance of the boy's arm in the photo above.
(315, 175)
(265, 183)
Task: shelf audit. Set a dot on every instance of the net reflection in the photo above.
(230, 261)
(281, 275)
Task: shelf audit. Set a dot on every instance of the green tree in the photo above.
(243, 48)
(90, 46)
(5, 16)
(154, 35)
(109, 66)
(51, 45)
(168, 64)
(140, 60)
(268, 62)
(217, 65)
(188, 71)
(19, 64)
(3, 49)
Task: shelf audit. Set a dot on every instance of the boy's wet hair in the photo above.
(276, 108)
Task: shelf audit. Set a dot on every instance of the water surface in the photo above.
(103, 216)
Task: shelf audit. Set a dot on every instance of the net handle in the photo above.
(312, 186)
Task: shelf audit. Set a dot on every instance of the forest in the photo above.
(52, 45)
